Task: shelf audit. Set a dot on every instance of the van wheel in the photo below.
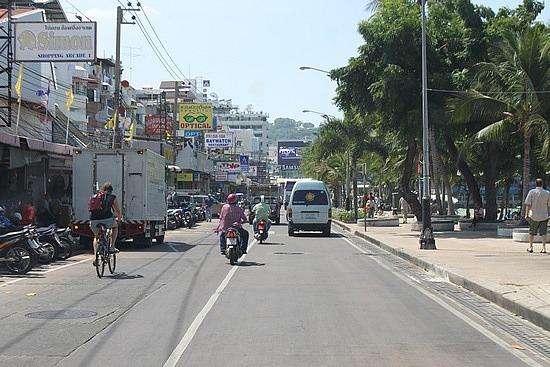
(290, 231)
(326, 232)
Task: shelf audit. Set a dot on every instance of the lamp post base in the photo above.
(427, 240)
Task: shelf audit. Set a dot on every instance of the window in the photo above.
(310, 197)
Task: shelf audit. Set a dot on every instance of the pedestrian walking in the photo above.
(208, 207)
(405, 208)
(537, 205)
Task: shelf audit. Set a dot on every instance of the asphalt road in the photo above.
(300, 301)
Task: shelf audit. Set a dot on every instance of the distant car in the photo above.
(201, 199)
(275, 215)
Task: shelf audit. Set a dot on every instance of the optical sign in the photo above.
(195, 116)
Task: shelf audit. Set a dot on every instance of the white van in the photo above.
(309, 208)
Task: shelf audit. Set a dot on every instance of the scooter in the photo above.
(19, 250)
(233, 250)
(261, 235)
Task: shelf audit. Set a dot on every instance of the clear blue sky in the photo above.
(250, 50)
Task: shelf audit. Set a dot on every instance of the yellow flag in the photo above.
(112, 122)
(19, 82)
(70, 99)
(131, 131)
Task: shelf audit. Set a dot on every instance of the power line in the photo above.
(486, 92)
(163, 47)
(78, 10)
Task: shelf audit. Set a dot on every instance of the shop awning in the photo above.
(173, 168)
(9, 139)
(46, 146)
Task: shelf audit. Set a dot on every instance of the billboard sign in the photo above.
(157, 125)
(229, 167)
(221, 176)
(195, 116)
(243, 160)
(289, 153)
(55, 41)
(218, 140)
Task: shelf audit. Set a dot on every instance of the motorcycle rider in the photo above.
(232, 213)
(5, 224)
(261, 211)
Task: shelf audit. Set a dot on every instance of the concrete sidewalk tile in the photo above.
(497, 269)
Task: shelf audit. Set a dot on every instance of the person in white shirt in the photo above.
(537, 205)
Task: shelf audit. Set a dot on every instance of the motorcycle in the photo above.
(66, 243)
(261, 235)
(233, 250)
(49, 241)
(172, 221)
(19, 250)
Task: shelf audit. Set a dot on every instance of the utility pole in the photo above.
(175, 120)
(117, 139)
(427, 240)
(6, 38)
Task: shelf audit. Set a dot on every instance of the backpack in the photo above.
(97, 202)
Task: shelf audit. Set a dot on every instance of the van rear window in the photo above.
(310, 197)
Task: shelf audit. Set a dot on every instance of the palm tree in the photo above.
(509, 97)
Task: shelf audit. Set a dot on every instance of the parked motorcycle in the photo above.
(233, 250)
(66, 243)
(19, 250)
(261, 235)
(172, 221)
(49, 241)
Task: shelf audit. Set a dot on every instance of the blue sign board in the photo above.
(243, 160)
(191, 133)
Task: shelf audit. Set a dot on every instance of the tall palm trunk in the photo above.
(526, 168)
(354, 189)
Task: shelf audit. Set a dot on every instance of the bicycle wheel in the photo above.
(98, 263)
(112, 263)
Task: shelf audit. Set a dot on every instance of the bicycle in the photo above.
(103, 256)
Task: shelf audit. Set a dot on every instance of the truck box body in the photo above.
(138, 179)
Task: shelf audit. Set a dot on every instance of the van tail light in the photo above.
(289, 213)
(330, 212)
(231, 234)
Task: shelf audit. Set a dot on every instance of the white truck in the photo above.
(138, 179)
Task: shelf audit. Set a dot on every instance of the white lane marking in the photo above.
(503, 344)
(173, 248)
(192, 330)
(47, 271)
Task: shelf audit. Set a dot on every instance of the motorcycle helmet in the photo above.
(1, 209)
(17, 216)
(232, 199)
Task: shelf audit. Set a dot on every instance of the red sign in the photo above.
(155, 124)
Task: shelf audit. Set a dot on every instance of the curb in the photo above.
(529, 314)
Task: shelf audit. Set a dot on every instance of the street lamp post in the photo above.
(427, 240)
(316, 69)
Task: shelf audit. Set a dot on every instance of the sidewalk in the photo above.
(497, 269)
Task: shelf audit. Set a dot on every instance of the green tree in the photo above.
(506, 93)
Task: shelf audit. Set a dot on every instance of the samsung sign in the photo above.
(60, 42)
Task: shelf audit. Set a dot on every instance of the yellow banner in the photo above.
(185, 177)
(195, 116)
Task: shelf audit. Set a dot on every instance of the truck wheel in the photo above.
(160, 239)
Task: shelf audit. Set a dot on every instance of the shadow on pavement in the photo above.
(317, 234)
(271, 244)
(250, 263)
(165, 247)
(124, 276)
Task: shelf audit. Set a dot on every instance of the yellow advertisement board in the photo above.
(185, 176)
(195, 116)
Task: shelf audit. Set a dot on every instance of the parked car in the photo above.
(273, 201)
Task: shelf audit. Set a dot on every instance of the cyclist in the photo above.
(104, 215)
(261, 211)
(232, 213)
